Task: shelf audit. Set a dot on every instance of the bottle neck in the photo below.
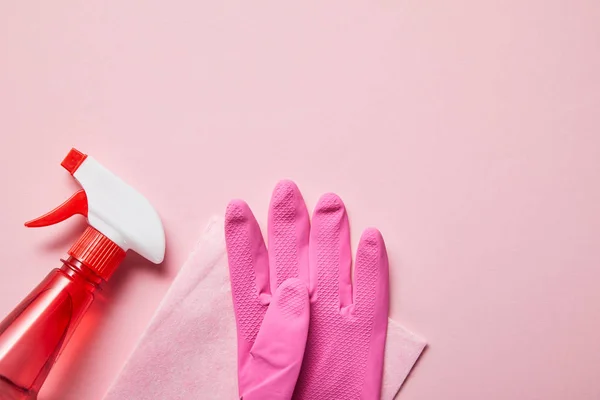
(75, 269)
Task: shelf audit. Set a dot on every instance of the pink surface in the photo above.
(479, 121)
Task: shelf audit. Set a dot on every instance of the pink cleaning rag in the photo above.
(189, 349)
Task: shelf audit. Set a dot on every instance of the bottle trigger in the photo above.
(76, 204)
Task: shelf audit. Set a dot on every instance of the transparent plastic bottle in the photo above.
(119, 218)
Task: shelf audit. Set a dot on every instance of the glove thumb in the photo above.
(279, 347)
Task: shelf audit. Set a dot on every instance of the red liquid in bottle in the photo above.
(35, 333)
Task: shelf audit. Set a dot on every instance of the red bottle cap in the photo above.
(97, 252)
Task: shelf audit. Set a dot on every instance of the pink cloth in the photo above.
(189, 350)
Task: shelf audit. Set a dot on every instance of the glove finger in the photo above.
(330, 254)
(371, 302)
(371, 273)
(248, 268)
(280, 344)
(289, 228)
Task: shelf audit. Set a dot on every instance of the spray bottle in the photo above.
(119, 218)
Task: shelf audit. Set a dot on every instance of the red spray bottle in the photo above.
(33, 335)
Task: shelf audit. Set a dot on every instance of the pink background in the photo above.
(466, 130)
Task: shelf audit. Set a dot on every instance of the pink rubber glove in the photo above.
(344, 351)
(272, 329)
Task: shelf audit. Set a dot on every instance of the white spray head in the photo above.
(120, 212)
(112, 207)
